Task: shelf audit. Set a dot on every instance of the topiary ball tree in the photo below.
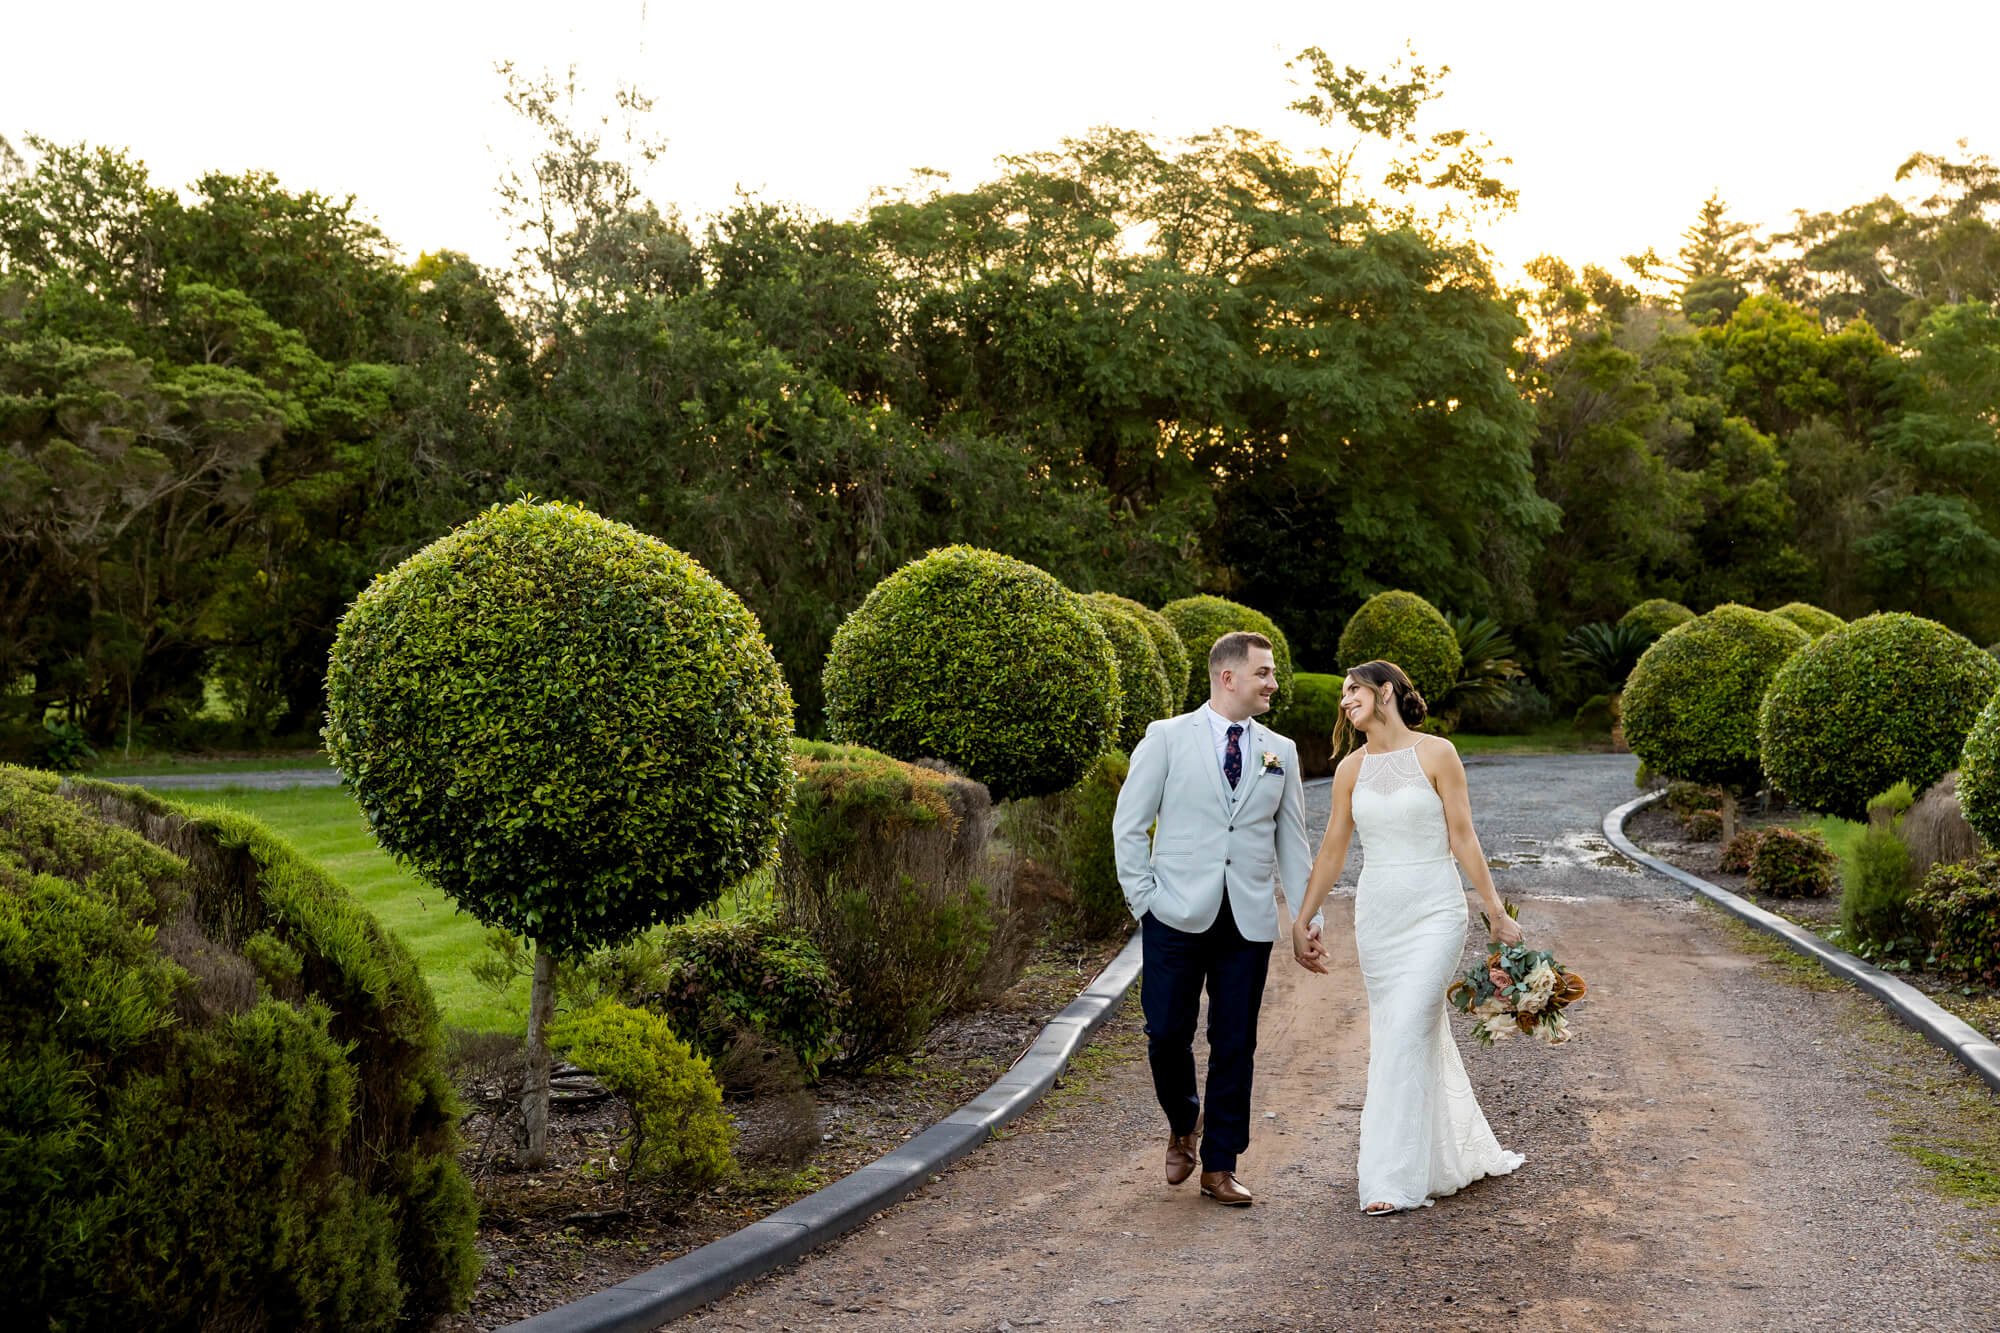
(1809, 618)
(980, 660)
(1403, 628)
(1142, 681)
(565, 724)
(1691, 704)
(1173, 653)
(1656, 616)
(1979, 774)
(1200, 621)
(1888, 698)
(223, 1096)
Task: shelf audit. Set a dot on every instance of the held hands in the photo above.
(1307, 949)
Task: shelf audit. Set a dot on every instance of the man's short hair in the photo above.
(1233, 650)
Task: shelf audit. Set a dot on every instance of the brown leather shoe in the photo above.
(1223, 1187)
(1181, 1159)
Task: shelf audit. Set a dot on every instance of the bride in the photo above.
(1422, 1132)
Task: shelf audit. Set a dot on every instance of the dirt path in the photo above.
(1709, 1153)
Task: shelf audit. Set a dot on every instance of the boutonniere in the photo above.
(1271, 763)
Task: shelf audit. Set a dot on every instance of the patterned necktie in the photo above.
(1232, 759)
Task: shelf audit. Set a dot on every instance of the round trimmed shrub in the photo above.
(1789, 863)
(1200, 621)
(1690, 705)
(1656, 616)
(568, 726)
(1309, 721)
(222, 1090)
(1173, 653)
(1143, 686)
(1403, 628)
(1883, 699)
(1979, 774)
(982, 661)
(1809, 618)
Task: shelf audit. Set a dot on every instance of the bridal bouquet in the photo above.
(1520, 990)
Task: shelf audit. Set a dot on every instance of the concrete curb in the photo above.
(700, 1276)
(1955, 1035)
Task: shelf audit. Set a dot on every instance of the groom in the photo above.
(1230, 808)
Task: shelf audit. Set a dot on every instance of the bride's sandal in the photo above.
(1381, 1209)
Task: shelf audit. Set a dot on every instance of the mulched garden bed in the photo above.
(1657, 831)
(551, 1236)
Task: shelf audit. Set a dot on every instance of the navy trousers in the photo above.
(1178, 965)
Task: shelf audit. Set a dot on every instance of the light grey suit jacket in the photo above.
(1211, 840)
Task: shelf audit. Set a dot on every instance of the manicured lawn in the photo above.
(116, 770)
(324, 825)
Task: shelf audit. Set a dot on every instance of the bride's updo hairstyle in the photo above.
(1409, 702)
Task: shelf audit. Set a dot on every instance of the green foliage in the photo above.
(1685, 798)
(1656, 616)
(1883, 699)
(1309, 721)
(981, 661)
(1403, 628)
(566, 725)
(1979, 773)
(716, 977)
(1521, 709)
(679, 1130)
(1486, 666)
(1962, 904)
(1070, 834)
(1809, 618)
(1738, 852)
(884, 869)
(222, 1082)
(1606, 653)
(1173, 653)
(1789, 863)
(1690, 705)
(1875, 907)
(1200, 621)
(1147, 693)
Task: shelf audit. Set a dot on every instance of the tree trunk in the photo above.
(535, 1087)
(1729, 813)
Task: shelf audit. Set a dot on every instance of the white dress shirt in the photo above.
(1218, 727)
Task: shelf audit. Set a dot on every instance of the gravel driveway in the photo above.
(1713, 1151)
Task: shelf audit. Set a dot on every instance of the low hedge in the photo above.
(979, 660)
(884, 868)
(1070, 834)
(1200, 621)
(1962, 902)
(1403, 628)
(1979, 774)
(1789, 863)
(676, 1127)
(1885, 699)
(222, 1093)
(716, 978)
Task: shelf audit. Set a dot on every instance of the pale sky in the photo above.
(1620, 118)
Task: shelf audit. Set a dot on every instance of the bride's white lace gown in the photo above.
(1422, 1132)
